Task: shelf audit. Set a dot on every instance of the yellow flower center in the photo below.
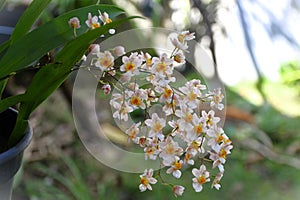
(108, 20)
(177, 165)
(220, 138)
(129, 67)
(135, 101)
(161, 67)
(201, 179)
(223, 153)
(157, 127)
(144, 181)
(188, 117)
(170, 149)
(95, 25)
(198, 128)
(192, 96)
(168, 92)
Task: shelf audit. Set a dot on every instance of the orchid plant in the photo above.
(65, 38)
(179, 135)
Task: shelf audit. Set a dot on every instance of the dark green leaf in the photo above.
(28, 18)
(32, 46)
(51, 76)
(10, 101)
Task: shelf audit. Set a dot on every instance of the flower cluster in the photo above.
(183, 133)
(92, 22)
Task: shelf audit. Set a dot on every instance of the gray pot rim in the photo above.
(19, 147)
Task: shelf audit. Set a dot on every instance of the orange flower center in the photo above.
(144, 181)
(129, 67)
(135, 101)
(201, 179)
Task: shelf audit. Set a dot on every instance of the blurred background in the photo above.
(255, 45)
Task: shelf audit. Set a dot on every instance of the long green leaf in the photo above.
(28, 18)
(10, 101)
(51, 76)
(32, 46)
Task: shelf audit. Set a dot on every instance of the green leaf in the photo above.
(10, 101)
(28, 18)
(29, 48)
(51, 76)
(2, 87)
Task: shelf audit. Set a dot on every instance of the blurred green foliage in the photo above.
(290, 74)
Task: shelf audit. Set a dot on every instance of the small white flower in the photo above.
(105, 60)
(147, 179)
(104, 17)
(162, 66)
(216, 181)
(179, 45)
(217, 99)
(201, 177)
(92, 22)
(156, 125)
(210, 119)
(133, 131)
(131, 64)
(175, 167)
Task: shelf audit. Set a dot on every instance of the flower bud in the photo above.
(178, 190)
(74, 22)
(119, 51)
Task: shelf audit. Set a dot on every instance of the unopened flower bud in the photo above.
(106, 89)
(178, 190)
(74, 22)
(94, 48)
(119, 51)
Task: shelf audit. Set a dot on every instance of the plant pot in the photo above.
(11, 159)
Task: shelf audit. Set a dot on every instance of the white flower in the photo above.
(201, 177)
(92, 22)
(210, 119)
(216, 181)
(179, 45)
(131, 64)
(156, 125)
(105, 60)
(219, 155)
(166, 94)
(137, 98)
(119, 51)
(104, 17)
(178, 190)
(146, 180)
(133, 131)
(170, 150)
(217, 99)
(175, 167)
(186, 36)
(122, 111)
(179, 58)
(191, 95)
(162, 66)
(217, 136)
